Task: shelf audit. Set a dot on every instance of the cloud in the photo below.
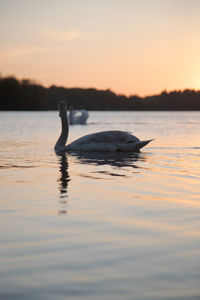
(60, 35)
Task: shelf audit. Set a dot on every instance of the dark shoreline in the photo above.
(19, 95)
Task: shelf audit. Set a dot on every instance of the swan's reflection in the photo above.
(116, 160)
(63, 182)
(118, 163)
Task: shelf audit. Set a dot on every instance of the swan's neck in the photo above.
(60, 145)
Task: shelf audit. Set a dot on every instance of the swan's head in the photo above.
(62, 107)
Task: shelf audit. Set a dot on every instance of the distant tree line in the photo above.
(28, 95)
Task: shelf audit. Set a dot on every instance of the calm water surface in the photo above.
(99, 226)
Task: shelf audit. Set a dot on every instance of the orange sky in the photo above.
(129, 46)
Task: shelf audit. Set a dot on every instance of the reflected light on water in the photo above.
(100, 225)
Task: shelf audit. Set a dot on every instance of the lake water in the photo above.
(96, 226)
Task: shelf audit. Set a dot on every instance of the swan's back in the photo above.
(114, 140)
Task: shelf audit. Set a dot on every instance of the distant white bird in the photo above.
(104, 141)
(78, 116)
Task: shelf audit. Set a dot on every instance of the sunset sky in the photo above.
(129, 46)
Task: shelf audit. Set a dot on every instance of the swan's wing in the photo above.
(111, 137)
(114, 136)
(107, 141)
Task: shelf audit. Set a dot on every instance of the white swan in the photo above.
(104, 141)
(78, 116)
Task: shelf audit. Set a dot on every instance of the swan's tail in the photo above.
(141, 144)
